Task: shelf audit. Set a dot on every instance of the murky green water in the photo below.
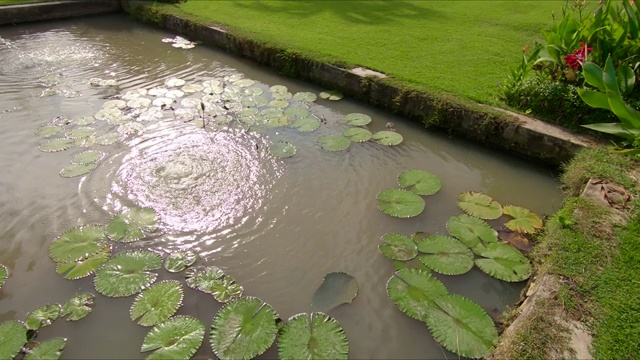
(276, 226)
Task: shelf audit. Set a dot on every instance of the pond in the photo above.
(276, 225)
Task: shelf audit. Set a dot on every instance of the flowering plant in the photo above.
(579, 56)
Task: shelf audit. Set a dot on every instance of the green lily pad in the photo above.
(162, 101)
(282, 149)
(132, 224)
(179, 261)
(4, 274)
(80, 133)
(127, 273)
(414, 292)
(13, 335)
(87, 157)
(50, 350)
(462, 326)
(157, 91)
(356, 119)
(337, 288)
(445, 255)
(357, 134)
(420, 182)
(119, 104)
(85, 267)
(400, 203)
(77, 307)
(130, 128)
(388, 138)
(108, 138)
(243, 329)
(524, 220)
(42, 316)
(177, 338)
(315, 336)
(333, 142)
(297, 112)
(305, 97)
(214, 281)
(398, 247)
(55, 145)
(479, 205)
(471, 230)
(282, 95)
(49, 131)
(174, 82)
(157, 303)
(139, 103)
(278, 121)
(307, 124)
(503, 262)
(254, 91)
(192, 88)
(244, 82)
(113, 116)
(278, 89)
(86, 142)
(281, 104)
(331, 95)
(84, 120)
(73, 170)
(77, 244)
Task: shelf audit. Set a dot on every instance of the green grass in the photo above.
(13, 2)
(462, 48)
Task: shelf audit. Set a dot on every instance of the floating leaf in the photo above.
(157, 91)
(80, 133)
(213, 281)
(77, 307)
(306, 124)
(113, 116)
(279, 104)
(77, 244)
(356, 119)
(305, 97)
(110, 104)
(282, 149)
(179, 261)
(174, 82)
(50, 350)
(73, 170)
(173, 94)
(4, 274)
(503, 262)
(333, 142)
(524, 220)
(297, 112)
(244, 82)
(400, 203)
(315, 336)
(131, 224)
(42, 316)
(162, 101)
(87, 157)
(157, 303)
(13, 335)
(398, 247)
(130, 128)
(445, 255)
(254, 91)
(139, 103)
(419, 182)
(278, 89)
(192, 88)
(84, 120)
(108, 138)
(56, 145)
(85, 267)
(479, 205)
(471, 231)
(127, 273)
(331, 95)
(278, 121)
(462, 326)
(177, 338)
(282, 95)
(337, 288)
(357, 134)
(49, 131)
(243, 329)
(413, 292)
(388, 138)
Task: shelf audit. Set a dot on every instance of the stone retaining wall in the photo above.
(49, 10)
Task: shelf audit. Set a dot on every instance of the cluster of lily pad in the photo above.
(179, 42)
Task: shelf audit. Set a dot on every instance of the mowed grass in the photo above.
(464, 48)
(13, 2)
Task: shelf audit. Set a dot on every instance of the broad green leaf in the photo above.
(593, 75)
(108, 138)
(179, 261)
(278, 121)
(47, 350)
(617, 129)
(479, 205)
(85, 267)
(177, 338)
(297, 112)
(157, 303)
(306, 124)
(174, 82)
(414, 291)
(127, 273)
(212, 280)
(398, 247)
(315, 336)
(13, 335)
(244, 83)
(388, 138)
(445, 255)
(632, 20)
(282, 149)
(357, 134)
(400, 203)
(80, 133)
(331, 95)
(243, 329)
(278, 89)
(279, 104)
(77, 307)
(77, 244)
(503, 262)
(462, 326)
(55, 145)
(139, 103)
(333, 142)
(594, 99)
(192, 88)
(305, 97)
(4, 274)
(337, 288)
(629, 116)
(356, 119)
(523, 221)
(42, 316)
(130, 225)
(109, 104)
(84, 120)
(87, 157)
(471, 231)
(626, 78)
(73, 170)
(49, 130)
(419, 182)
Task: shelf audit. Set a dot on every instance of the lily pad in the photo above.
(254, 91)
(80, 133)
(162, 101)
(42, 316)
(84, 120)
(77, 244)
(297, 112)
(130, 128)
(131, 224)
(108, 138)
(388, 138)
(398, 247)
(77, 307)
(333, 142)
(471, 230)
(85, 267)
(356, 119)
(87, 157)
(306, 124)
(214, 281)
(157, 303)
(414, 292)
(278, 89)
(192, 88)
(244, 82)
(462, 326)
(281, 104)
(282, 149)
(278, 121)
(400, 203)
(13, 335)
(479, 205)
(503, 262)
(157, 91)
(49, 131)
(337, 288)
(114, 104)
(177, 338)
(73, 170)
(420, 182)
(127, 273)
(315, 336)
(113, 116)
(139, 103)
(173, 94)
(282, 95)
(179, 261)
(357, 134)
(331, 95)
(524, 220)
(445, 255)
(243, 329)
(49, 349)
(174, 82)
(4, 274)
(55, 145)
(305, 97)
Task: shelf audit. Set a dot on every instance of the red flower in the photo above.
(579, 55)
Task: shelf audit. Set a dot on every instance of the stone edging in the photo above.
(49, 10)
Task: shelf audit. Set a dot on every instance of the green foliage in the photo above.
(179, 261)
(177, 338)
(214, 281)
(400, 203)
(333, 142)
(445, 255)
(47, 350)
(77, 244)
(503, 262)
(356, 119)
(13, 335)
(388, 138)
(479, 205)
(314, 336)
(42, 316)
(471, 230)
(357, 134)
(524, 220)
(127, 273)
(420, 182)
(414, 291)
(131, 225)
(77, 307)
(282, 149)
(398, 247)
(85, 267)
(157, 303)
(4, 274)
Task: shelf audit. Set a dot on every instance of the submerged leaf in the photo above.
(282, 149)
(127, 273)
(414, 291)
(337, 288)
(56, 145)
(356, 119)
(77, 244)
(49, 349)
(419, 182)
(77, 307)
(503, 262)
(400, 203)
(357, 134)
(524, 220)
(333, 142)
(13, 335)
(177, 338)
(85, 267)
(157, 303)
(130, 225)
(398, 247)
(471, 231)
(388, 138)
(479, 205)
(445, 255)
(179, 261)
(42, 316)
(315, 336)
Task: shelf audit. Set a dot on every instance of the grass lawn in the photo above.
(13, 2)
(459, 47)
